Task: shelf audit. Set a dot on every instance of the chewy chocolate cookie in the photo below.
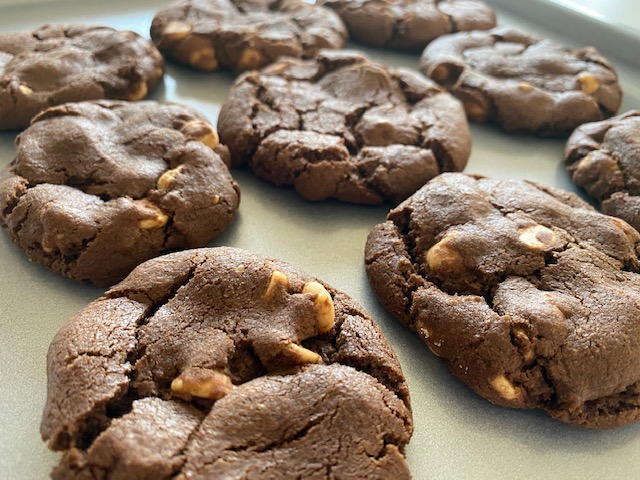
(244, 34)
(604, 159)
(530, 296)
(219, 363)
(522, 82)
(56, 64)
(343, 126)
(409, 24)
(97, 188)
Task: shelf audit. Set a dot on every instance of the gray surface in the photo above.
(615, 33)
(458, 434)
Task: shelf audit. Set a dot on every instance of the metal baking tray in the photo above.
(457, 433)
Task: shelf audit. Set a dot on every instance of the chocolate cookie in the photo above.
(56, 64)
(604, 159)
(522, 82)
(97, 188)
(407, 24)
(344, 126)
(218, 363)
(530, 296)
(244, 34)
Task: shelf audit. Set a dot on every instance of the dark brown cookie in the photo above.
(604, 159)
(218, 363)
(244, 34)
(344, 126)
(56, 64)
(407, 24)
(97, 188)
(522, 82)
(530, 296)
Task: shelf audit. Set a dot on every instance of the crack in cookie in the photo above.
(244, 34)
(97, 188)
(246, 364)
(522, 82)
(528, 294)
(56, 64)
(409, 25)
(341, 126)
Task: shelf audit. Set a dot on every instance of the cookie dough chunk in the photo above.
(604, 159)
(522, 82)
(56, 64)
(344, 126)
(219, 363)
(97, 188)
(408, 24)
(529, 295)
(244, 34)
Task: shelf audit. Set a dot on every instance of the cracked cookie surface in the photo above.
(529, 295)
(221, 363)
(244, 34)
(57, 64)
(604, 159)
(522, 82)
(97, 188)
(410, 24)
(342, 126)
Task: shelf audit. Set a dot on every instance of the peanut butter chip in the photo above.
(204, 59)
(138, 92)
(300, 355)
(538, 237)
(525, 87)
(202, 383)
(589, 84)
(250, 59)
(157, 218)
(25, 90)
(167, 178)
(175, 31)
(520, 335)
(323, 306)
(48, 246)
(443, 257)
(202, 132)
(505, 388)
(156, 222)
(476, 111)
(277, 282)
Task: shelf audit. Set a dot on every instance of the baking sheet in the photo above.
(457, 433)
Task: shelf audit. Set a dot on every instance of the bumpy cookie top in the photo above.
(522, 82)
(604, 159)
(221, 363)
(344, 126)
(530, 295)
(66, 63)
(98, 187)
(244, 34)
(410, 24)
